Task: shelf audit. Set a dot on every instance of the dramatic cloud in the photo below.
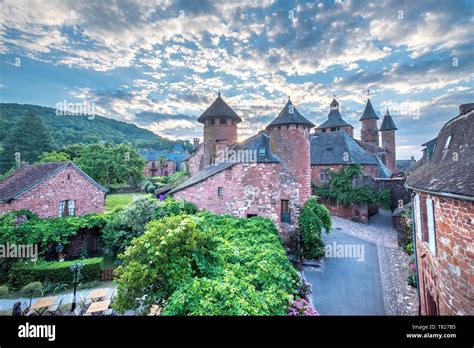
(160, 63)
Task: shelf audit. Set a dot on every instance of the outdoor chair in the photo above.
(54, 308)
(78, 310)
(85, 302)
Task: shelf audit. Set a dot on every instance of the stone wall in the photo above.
(68, 184)
(369, 169)
(447, 278)
(354, 212)
(248, 189)
(195, 163)
(291, 144)
(169, 169)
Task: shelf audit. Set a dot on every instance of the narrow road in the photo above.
(376, 285)
(347, 285)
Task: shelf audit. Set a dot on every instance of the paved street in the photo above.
(375, 286)
(346, 286)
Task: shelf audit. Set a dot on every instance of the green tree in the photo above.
(109, 163)
(54, 156)
(29, 138)
(162, 163)
(314, 217)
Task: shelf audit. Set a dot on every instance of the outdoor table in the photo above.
(96, 295)
(42, 304)
(99, 306)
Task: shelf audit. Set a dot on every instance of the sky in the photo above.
(159, 64)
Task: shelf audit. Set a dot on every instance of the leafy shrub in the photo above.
(3, 291)
(411, 279)
(207, 264)
(314, 217)
(32, 289)
(24, 227)
(409, 248)
(53, 272)
(130, 222)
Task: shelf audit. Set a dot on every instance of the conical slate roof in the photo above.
(387, 123)
(290, 115)
(334, 117)
(369, 112)
(219, 108)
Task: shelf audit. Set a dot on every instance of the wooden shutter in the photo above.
(418, 217)
(431, 225)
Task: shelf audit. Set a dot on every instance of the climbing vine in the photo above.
(314, 217)
(341, 189)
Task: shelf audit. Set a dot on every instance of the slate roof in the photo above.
(334, 120)
(382, 170)
(290, 115)
(219, 108)
(443, 174)
(253, 143)
(330, 148)
(406, 164)
(368, 112)
(28, 177)
(153, 155)
(387, 123)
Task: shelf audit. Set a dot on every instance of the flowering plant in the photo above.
(301, 307)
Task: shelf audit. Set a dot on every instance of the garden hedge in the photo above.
(23, 273)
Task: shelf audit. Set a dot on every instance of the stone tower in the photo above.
(388, 128)
(220, 129)
(369, 131)
(289, 134)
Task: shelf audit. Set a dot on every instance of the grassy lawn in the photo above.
(119, 200)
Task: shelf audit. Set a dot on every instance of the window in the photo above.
(418, 217)
(222, 121)
(424, 220)
(251, 216)
(213, 121)
(448, 141)
(153, 164)
(67, 208)
(324, 175)
(69, 176)
(262, 151)
(285, 211)
(333, 129)
(431, 225)
(324, 130)
(220, 191)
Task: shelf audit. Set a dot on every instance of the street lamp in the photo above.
(75, 269)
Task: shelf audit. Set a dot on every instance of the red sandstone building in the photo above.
(162, 163)
(443, 195)
(287, 159)
(266, 175)
(51, 189)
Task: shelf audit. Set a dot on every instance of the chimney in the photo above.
(196, 142)
(463, 108)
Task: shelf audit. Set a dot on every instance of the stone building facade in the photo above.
(51, 189)
(274, 183)
(443, 204)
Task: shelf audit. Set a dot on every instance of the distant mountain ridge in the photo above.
(66, 130)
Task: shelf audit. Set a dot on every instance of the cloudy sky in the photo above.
(159, 64)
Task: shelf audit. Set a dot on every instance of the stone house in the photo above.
(154, 165)
(442, 188)
(51, 189)
(266, 175)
